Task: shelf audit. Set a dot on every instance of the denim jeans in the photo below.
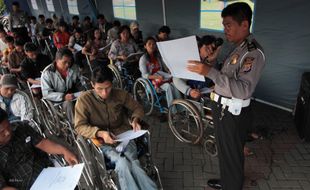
(127, 166)
(172, 93)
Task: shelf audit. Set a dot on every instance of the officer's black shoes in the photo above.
(215, 183)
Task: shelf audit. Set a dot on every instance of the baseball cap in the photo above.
(8, 80)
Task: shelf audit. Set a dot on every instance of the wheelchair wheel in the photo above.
(185, 121)
(89, 173)
(209, 146)
(117, 82)
(51, 118)
(142, 93)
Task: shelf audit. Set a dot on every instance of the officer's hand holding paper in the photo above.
(177, 53)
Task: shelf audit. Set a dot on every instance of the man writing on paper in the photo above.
(234, 86)
(60, 81)
(21, 156)
(101, 113)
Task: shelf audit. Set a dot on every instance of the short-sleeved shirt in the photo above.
(20, 161)
(32, 69)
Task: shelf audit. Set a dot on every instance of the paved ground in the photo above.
(281, 159)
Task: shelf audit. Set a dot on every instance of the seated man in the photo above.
(60, 81)
(20, 155)
(101, 113)
(16, 57)
(33, 65)
(163, 34)
(16, 104)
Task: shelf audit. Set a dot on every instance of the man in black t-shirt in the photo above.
(21, 156)
(33, 65)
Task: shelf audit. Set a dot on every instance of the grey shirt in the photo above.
(241, 70)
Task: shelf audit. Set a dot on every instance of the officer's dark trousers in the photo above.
(231, 132)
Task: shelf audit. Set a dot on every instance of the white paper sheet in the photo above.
(64, 178)
(77, 94)
(129, 135)
(177, 53)
(77, 47)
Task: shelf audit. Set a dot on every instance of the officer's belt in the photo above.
(227, 101)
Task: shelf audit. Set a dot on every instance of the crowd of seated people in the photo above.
(57, 78)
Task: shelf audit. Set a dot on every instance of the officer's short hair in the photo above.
(30, 47)
(101, 74)
(3, 115)
(164, 29)
(64, 52)
(239, 11)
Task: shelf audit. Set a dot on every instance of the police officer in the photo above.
(234, 86)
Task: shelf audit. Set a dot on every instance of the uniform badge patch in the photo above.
(234, 59)
(247, 64)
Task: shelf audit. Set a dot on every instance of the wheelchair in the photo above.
(104, 168)
(117, 79)
(192, 122)
(58, 126)
(145, 93)
(129, 72)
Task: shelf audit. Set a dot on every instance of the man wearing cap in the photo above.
(21, 156)
(16, 103)
(234, 86)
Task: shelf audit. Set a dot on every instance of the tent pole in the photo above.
(164, 12)
(273, 105)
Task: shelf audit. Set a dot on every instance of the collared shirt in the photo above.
(241, 70)
(20, 161)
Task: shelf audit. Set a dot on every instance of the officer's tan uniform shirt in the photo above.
(93, 113)
(241, 71)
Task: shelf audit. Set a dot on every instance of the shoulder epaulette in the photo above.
(251, 45)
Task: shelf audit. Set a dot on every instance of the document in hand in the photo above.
(129, 135)
(177, 53)
(77, 47)
(64, 178)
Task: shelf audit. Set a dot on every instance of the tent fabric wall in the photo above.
(280, 26)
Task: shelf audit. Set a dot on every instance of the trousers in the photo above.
(230, 133)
